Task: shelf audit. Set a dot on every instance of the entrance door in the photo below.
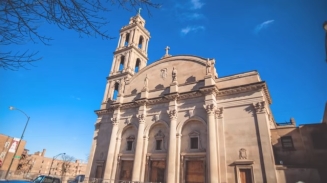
(245, 176)
(98, 172)
(195, 172)
(126, 170)
(158, 171)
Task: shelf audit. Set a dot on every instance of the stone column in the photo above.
(105, 97)
(111, 151)
(122, 41)
(172, 146)
(139, 149)
(118, 46)
(145, 148)
(221, 145)
(212, 152)
(268, 164)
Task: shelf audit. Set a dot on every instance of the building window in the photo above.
(116, 90)
(287, 142)
(140, 42)
(194, 140)
(158, 144)
(127, 39)
(159, 137)
(318, 140)
(194, 143)
(130, 142)
(137, 65)
(122, 62)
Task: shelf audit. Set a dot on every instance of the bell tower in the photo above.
(130, 56)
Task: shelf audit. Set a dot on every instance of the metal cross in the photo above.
(167, 48)
(140, 11)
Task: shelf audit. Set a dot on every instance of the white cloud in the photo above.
(263, 25)
(74, 97)
(196, 4)
(190, 16)
(188, 29)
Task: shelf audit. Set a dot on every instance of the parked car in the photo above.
(39, 179)
(77, 179)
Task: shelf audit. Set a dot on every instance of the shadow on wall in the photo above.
(301, 152)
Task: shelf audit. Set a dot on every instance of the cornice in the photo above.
(188, 95)
(236, 76)
(130, 26)
(246, 88)
(129, 47)
(104, 111)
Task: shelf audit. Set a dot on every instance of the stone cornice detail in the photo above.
(104, 111)
(209, 90)
(172, 114)
(246, 88)
(173, 96)
(190, 95)
(259, 107)
(130, 26)
(130, 47)
(141, 102)
(219, 112)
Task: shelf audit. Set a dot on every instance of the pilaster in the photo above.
(220, 126)
(269, 171)
(111, 151)
(212, 145)
(171, 176)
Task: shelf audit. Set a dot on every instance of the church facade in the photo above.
(176, 121)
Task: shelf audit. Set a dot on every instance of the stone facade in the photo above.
(175, 120)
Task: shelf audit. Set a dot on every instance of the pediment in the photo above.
(189, 69)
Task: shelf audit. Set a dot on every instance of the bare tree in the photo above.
(26, 163)
(20, 20)
(66, 164)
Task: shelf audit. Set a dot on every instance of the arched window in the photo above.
(122, 61)
(137, 65)
(140, 42)
(114, 97)
(127, 39)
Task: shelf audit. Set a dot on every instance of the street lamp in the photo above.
(53, 160)
(325, 27)
(21, 138)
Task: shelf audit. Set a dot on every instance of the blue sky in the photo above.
(282, 39)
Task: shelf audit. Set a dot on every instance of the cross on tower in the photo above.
(140, 11)
(167, 48)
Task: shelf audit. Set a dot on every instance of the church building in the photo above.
(177, 121)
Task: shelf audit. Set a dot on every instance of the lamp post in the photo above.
(21, 138)
(53, 160)
(325, 27)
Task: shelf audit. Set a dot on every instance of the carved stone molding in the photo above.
(104, 111)
(210, 108)
(172, 114)
(129, 105)
(209, 90)
(142, 102)
(114, 121)
(190, 95)
(173, 96)
(259, 107)
(219, 113)
(141, 118)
